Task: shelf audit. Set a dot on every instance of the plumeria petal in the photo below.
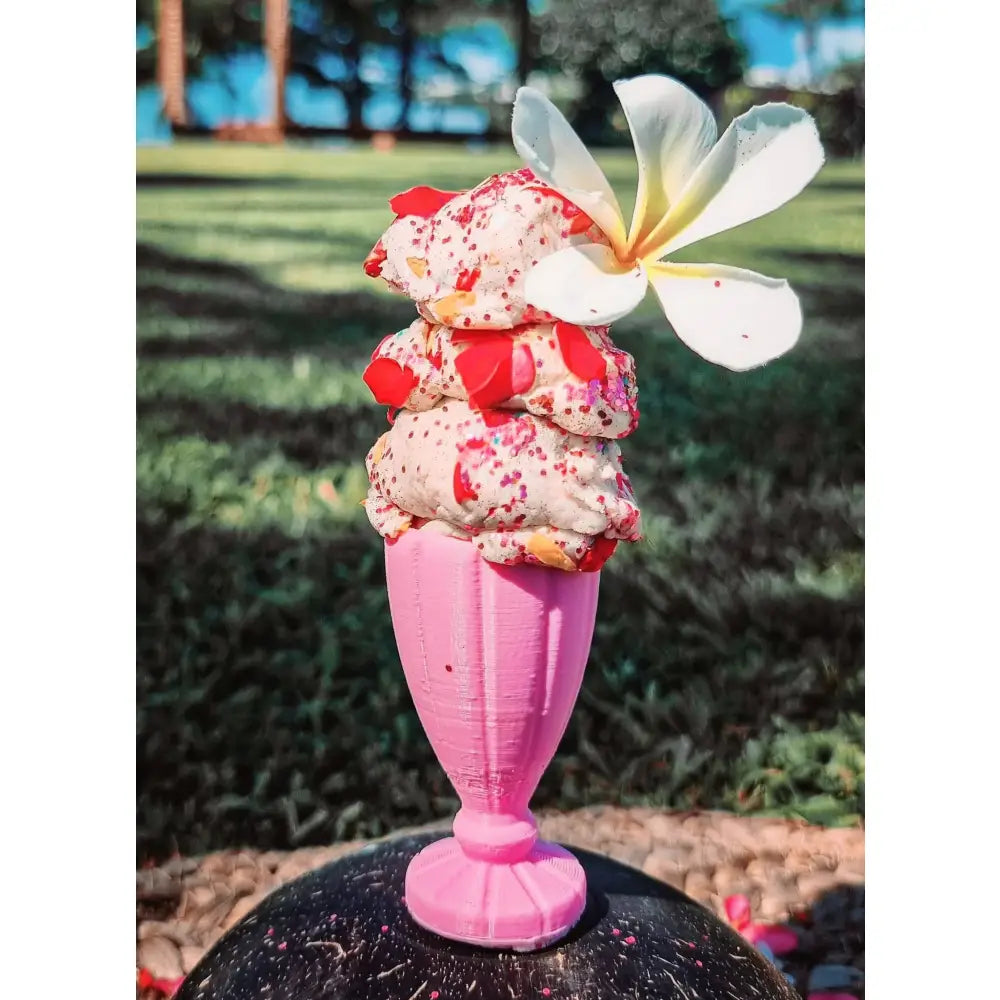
(765, 158)
(547, 143)
(585, 284)
(735, 318)
(672, 131)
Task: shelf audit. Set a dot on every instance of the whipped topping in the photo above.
(521, 488)
(574, 376)
(463, 257)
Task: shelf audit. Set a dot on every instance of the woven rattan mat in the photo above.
(809, 877)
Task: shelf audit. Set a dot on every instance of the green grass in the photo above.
(726, 669)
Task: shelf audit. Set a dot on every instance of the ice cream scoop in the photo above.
(573, 375)
(462, 256)
(519, 487)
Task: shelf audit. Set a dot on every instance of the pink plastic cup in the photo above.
(494, 657)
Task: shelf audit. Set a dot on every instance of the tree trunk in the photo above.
(277, 27)
(170, 60)
(406, 43)
(354, 89)
(523, 15)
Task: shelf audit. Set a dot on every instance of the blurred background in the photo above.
(726, 669)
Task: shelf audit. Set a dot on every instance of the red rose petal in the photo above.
(486, 369)
(390, 382)
(422, 201)
(522, 369)
(144, 979)
(462, 492)
(496, 418)
(599, 554)
(580, 224)
(374, 261)
(581, 357)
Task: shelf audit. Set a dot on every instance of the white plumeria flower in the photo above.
(690, 187)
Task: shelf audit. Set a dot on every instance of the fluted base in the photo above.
(522, 906)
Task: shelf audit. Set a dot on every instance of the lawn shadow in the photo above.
(235, 312)
(313, 438)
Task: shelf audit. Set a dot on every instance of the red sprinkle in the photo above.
(385, 927)
(630, 939)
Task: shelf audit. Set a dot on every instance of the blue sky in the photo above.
(237, 89)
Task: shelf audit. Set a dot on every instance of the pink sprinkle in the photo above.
(718, 283)
(698, 962)
(270, 931)
(385, 927)
(746, 336)
(546, 992)
(282, 946)
(630, 940)
(616, 932)
(333, 916)
(434, 994)
(690, 944)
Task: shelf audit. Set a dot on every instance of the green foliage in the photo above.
(726, 669)
(600, 42)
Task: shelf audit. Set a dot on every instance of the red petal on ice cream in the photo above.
(375, 260)
(390, 382)
(496, 418)
(462, 492)
(522, 369)
(599, 554)
(581, 357)
(486, 368)
(422, 201)
(580, 224)
(467, 279)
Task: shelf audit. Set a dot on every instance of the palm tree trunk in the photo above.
(170, 60)
(406, 42)
(277, 27)
(523, 15)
